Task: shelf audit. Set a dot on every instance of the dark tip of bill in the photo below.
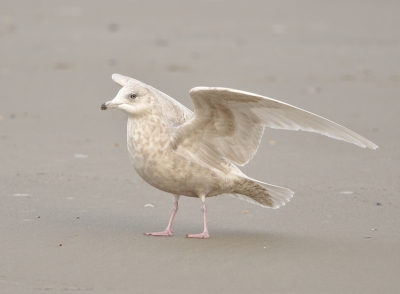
(103, 106)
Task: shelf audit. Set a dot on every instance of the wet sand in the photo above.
(73, 209)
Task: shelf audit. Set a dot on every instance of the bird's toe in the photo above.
(204, 235)
(164, 233)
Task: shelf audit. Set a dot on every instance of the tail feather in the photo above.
(261, 194)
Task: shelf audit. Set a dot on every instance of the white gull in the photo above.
(195, 153)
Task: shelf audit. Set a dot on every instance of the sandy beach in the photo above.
(73, 210)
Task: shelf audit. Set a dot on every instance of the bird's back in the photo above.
(172, 110)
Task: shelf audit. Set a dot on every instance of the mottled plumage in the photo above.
(195, 154)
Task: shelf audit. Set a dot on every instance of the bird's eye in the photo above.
(133, 96)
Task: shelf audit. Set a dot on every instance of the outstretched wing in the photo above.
(231, 123)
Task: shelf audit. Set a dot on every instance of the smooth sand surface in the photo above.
(65, 176)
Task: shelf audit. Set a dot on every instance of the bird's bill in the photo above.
(108, 105)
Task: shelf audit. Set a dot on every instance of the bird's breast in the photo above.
(161, 166)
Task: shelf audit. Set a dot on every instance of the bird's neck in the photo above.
(148, 133)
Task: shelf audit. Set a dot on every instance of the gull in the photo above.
(196, 154)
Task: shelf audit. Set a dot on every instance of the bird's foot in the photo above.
(163, 233)
(203, 235)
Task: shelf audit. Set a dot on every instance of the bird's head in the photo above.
(135, 97)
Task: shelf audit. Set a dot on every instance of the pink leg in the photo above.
(205, 233)
(168, 231)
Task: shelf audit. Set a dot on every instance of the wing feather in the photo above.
(231, 123)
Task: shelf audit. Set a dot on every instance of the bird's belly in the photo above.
(178, 175)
